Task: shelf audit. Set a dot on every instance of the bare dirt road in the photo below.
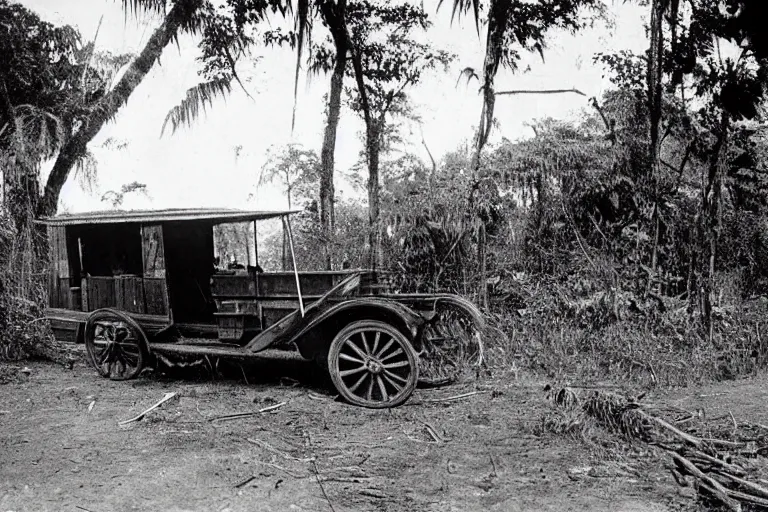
(61, 448)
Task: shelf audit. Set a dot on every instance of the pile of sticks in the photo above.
(726, 471)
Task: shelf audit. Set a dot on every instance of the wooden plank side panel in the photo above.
(58, 287)
(153, 251)
(239, 285)
(273, 285)
(155, 296)
(101, 293)
(129, 293)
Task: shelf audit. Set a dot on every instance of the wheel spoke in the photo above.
(356, 385)
(398, 388)
(129, 357)
(105, 355)
(386, 347)
(365, 343)
(401, 364)
(376, 342)
(354, 347)
(395, 376)
(353, 371)
(369, 394)
(350, 358)
(393, 354)
(382, 388)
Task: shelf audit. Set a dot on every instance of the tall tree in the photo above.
(386, 61)
(333, 15)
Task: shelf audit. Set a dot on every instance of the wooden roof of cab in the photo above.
(212, 215)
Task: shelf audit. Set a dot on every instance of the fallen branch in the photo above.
(139, 416)
(736, 470)
(240, 415)
(762, 491)
(693, 441)
(713, 485)
(739, 495)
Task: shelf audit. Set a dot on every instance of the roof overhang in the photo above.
(212, 215)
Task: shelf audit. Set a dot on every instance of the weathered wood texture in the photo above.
(153, 252)
(156, 296)
(59, 277)
(129, 294)
(100, 292)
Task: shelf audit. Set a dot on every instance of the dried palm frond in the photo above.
(198, 98)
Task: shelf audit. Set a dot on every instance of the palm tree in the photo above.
(220, 43)
(332, 13)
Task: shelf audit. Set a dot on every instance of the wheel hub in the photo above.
(374, 366)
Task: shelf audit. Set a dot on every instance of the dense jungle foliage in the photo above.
(631, 242)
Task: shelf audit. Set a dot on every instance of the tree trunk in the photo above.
(373, 147)
(655, 75)
(108, 106)
(709, 223)
(498, 18)
(335, 19)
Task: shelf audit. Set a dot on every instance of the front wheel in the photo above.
(373, 365)
(116, 344)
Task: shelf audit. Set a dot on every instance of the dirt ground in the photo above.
(61, 448)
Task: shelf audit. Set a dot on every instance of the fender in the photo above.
(328, 321)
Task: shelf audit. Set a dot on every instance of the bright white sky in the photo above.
(197, 167)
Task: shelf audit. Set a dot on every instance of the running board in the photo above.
(233, 352)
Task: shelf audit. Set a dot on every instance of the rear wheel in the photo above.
(452, 342)
(116, 344)
(372, 364)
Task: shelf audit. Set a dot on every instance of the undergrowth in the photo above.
(550, 330)
(22, 294)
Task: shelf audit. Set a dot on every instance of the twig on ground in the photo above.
(455, 397)
(433, 433)
(83, 508)
(493, 463)
(271, 448)
(373, 493)
(722, 442)
(287, 472)
(160, 402)
(240, 415)
(322, 488)
(246, 481)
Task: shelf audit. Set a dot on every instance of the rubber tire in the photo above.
(333, 362)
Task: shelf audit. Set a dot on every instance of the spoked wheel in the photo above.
(452, 342)
(373, 365)
(116, 345)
